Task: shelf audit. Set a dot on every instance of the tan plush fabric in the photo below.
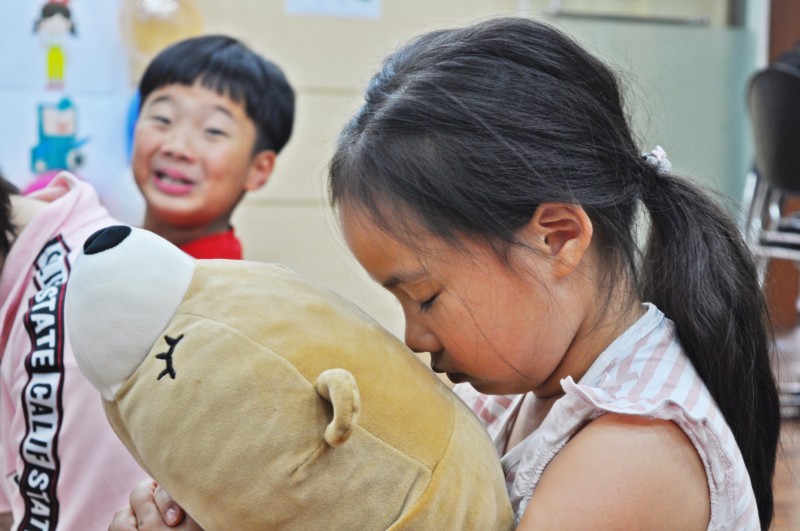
(239, 431)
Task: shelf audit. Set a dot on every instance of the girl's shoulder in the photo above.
(643, 380)
(623, 468)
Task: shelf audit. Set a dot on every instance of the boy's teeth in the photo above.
(174, 180)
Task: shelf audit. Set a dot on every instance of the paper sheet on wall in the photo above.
(65, 95)
(370, 9)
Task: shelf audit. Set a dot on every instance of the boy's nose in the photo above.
(178, 145)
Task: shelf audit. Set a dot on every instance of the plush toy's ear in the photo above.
(338, 387)
(122, 292)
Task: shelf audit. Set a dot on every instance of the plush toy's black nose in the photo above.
(106, 238)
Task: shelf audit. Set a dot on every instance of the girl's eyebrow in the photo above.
(402, 278)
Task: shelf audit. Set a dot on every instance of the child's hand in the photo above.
(151, 509)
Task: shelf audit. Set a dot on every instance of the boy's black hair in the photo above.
(7, 227)
(230, 68)
(468, 130)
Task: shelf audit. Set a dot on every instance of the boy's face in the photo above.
(193, 157)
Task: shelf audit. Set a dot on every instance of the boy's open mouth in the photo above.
(172, 184)
(162, 176)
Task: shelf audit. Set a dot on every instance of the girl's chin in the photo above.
(457, 377)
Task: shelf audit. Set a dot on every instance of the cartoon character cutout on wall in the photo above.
(59, 147)
(53, 27)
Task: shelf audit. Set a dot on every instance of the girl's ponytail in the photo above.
(697, 269)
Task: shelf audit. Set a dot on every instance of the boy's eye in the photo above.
(426, 305)
(163, 120)
(215, 132)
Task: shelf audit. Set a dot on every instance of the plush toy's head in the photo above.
(262, 401)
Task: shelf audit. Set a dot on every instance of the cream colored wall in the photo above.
(328, 61)
(715, 10)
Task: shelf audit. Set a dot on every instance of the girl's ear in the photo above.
(260, 170)
(562, 232)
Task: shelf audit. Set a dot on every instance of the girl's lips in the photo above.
(455, 377)
(171, 183)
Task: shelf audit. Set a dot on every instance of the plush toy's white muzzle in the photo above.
(109, 344)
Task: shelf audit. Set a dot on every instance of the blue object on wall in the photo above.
(58, 147)
(133, 115)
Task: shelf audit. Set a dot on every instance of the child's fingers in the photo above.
(145, 510)
(142, 495)
(170, 511)
(124, 520)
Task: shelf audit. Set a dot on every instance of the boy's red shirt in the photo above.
(219, 245)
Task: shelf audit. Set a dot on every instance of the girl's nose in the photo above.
(419, 338)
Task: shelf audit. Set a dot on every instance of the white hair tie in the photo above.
(657, 159)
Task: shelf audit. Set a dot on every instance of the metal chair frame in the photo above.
(774, 105)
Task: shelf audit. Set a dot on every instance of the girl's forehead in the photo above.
(399, 243)
(388, 224)
(394, 215)
(360, 229)
(374, 244)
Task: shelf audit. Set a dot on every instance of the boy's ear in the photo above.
(562, 232)
(260, 170)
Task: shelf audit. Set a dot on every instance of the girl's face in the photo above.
(503, 330)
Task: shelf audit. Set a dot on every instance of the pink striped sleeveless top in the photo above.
(643, 372)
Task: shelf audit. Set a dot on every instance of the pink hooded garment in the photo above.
(62, 464)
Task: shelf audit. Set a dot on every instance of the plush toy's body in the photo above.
(261, 401)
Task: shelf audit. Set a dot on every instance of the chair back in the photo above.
(774, 103)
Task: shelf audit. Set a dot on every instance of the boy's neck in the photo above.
(180, 236)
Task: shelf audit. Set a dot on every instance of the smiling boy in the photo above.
(214, 116)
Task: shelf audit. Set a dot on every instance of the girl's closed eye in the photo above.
(426, 305)
(213, 131)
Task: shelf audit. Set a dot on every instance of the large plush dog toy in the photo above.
(262, 401)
